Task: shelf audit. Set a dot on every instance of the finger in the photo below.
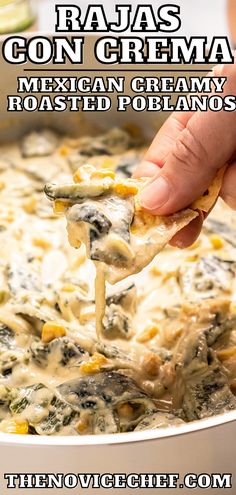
(145, 169)
(204, 146)
(192, 164)
(156, 155)
(165, 139)
(188, 235)
(228, 190)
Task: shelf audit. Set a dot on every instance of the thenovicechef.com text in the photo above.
(96, 481)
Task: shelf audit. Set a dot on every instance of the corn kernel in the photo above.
(78, 177)
(14, 427)
(42, 243)
(94, 364)
(216, 242)
(64, 150)
(69, 288)
(148, 334)
(82, 425)
(2, 185)
(151, 364)
(125, 189)
(225, 354)
(83, 173)
(52, 330)
(155, 271)
(59, 207)
(192, 258)
(101, 174)
(125, 411)
(29, 206)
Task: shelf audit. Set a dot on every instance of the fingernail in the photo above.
(155, 194)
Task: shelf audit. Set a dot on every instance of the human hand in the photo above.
(186, 155)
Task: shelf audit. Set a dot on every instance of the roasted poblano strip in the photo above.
(60, 352)
(117, 323)
(202, 387)
(76, 192)
(42, 408)
(158, 420)
(208, 277)
(104, 396)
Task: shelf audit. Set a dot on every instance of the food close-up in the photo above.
(154, 347)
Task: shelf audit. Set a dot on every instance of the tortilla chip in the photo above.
(148, 240)
(124, 237)
(208, 199)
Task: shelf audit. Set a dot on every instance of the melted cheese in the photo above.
(103, 213)
(100, 298)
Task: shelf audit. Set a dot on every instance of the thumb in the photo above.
(206, 143)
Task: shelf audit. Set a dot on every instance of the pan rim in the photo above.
(119, 438)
